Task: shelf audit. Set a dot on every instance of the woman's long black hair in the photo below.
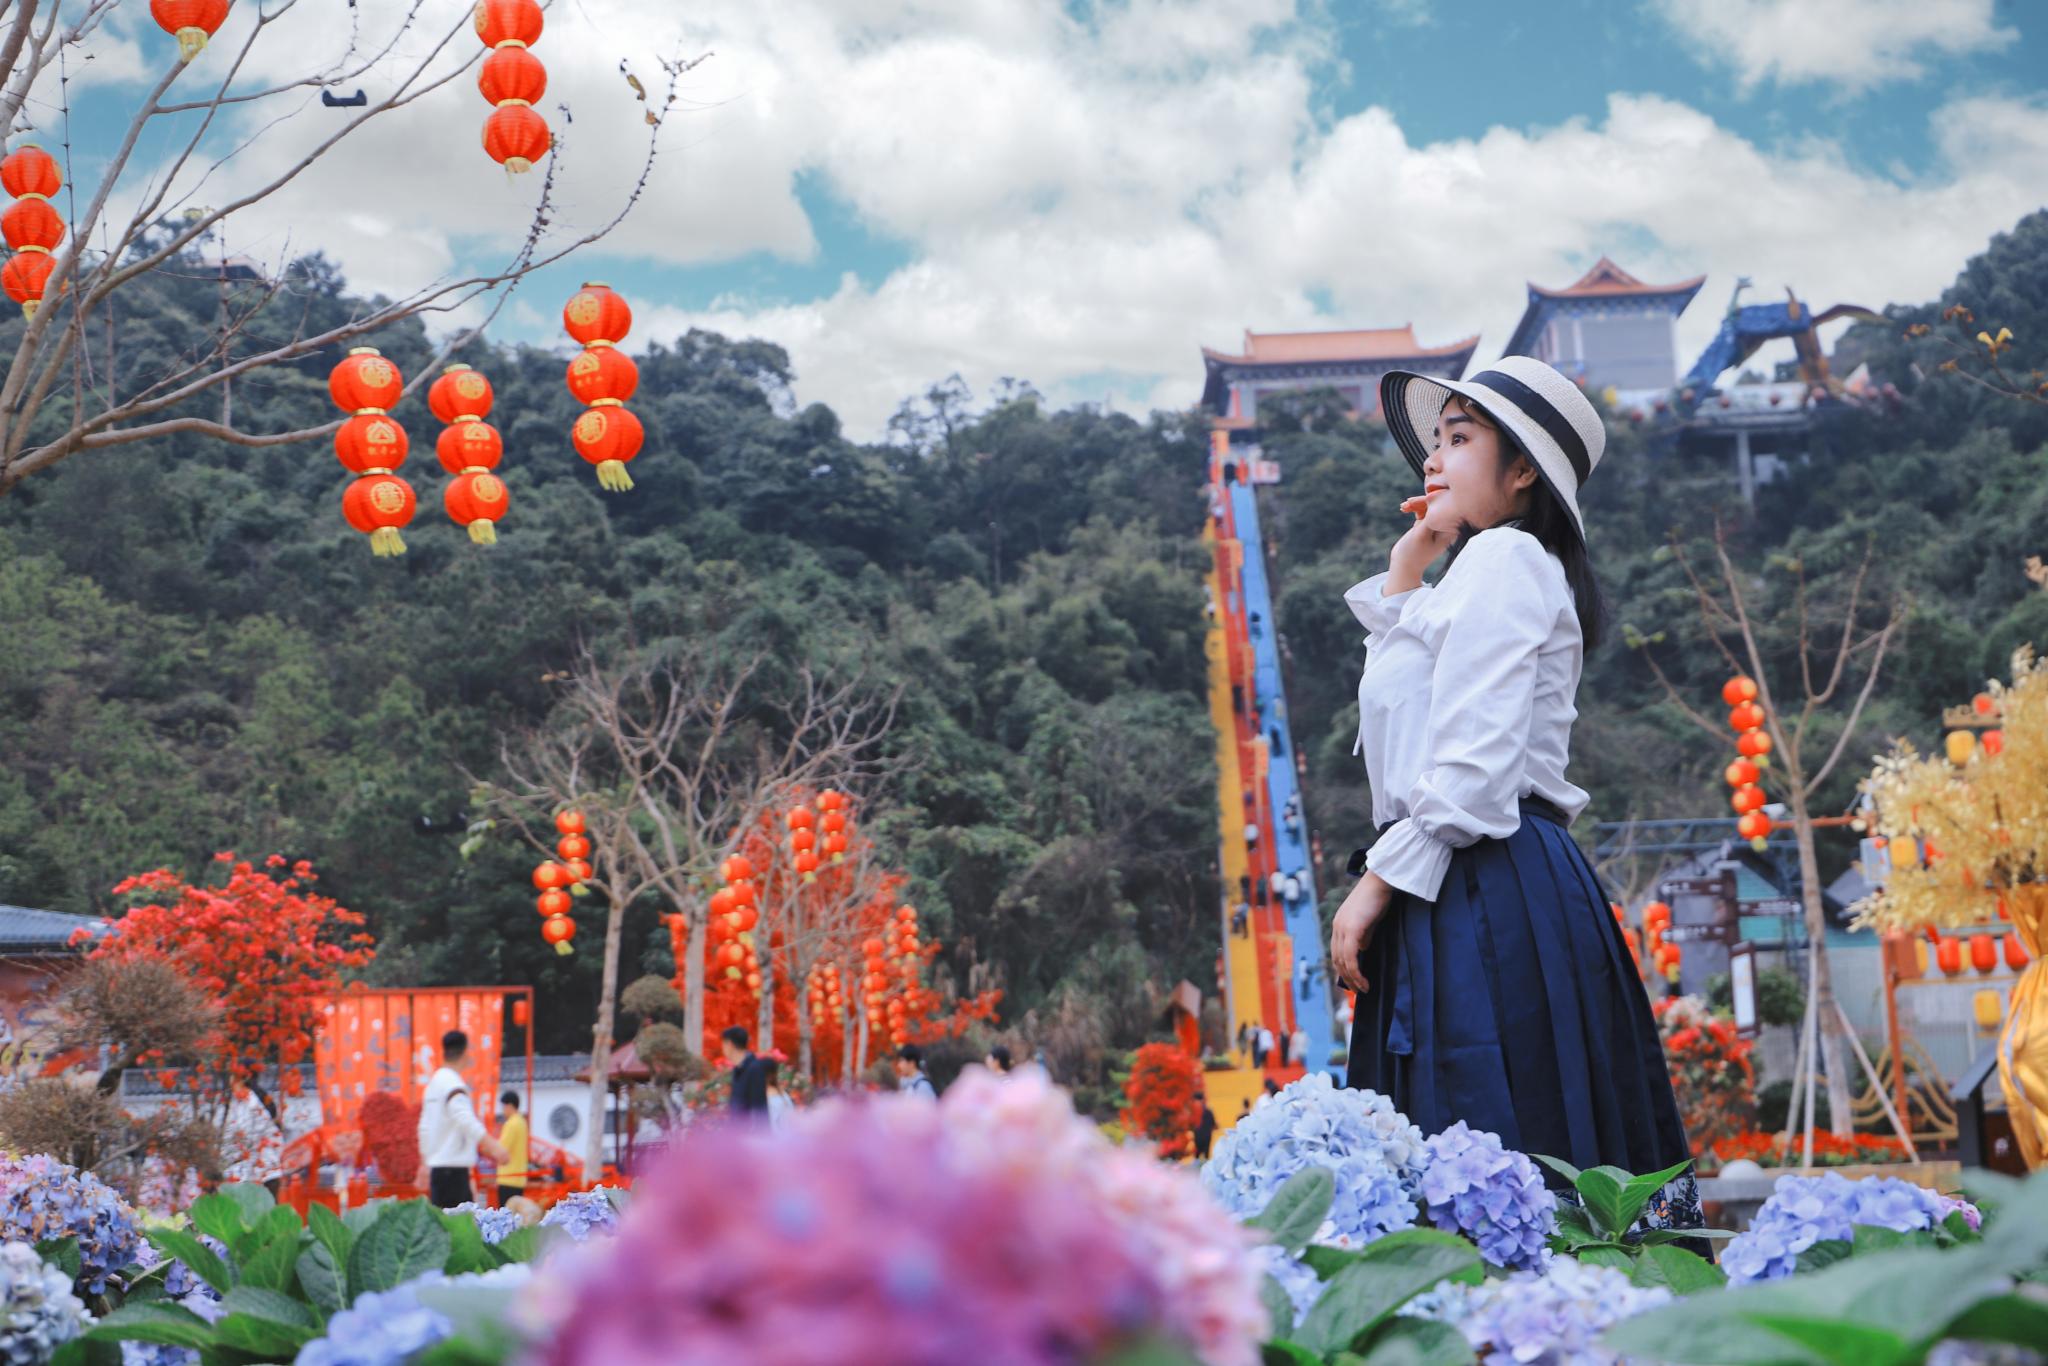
(1547, 520)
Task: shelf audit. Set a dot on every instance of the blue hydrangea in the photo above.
(1804, 1210)
(1956, 1352)
(1375, 1154)
(389, 1327)
(42, 1199)
(1296, 1277)
(1554, 1317)
(38, 1312)
(183, 1288)
(583, 1214)
(496, 1225)
(1475, 1186)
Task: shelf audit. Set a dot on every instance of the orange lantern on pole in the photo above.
(460, 392)
(603, 372)
(28, 172)
(469, 444)
(499, 22)
(192, 22)
(1741, 773)
(553, 902)
(1754, 826)
(476, 499)
(1738, 690)
(378, 505)
(1753, 745)
(515, 137)
(569, 822)
(512, 73)
(1747, 799)
(25, 276)
(573, 846)
(370, 443)
(607, 436)
(32, 223)
(364, 381)
(559, 930)
(596, 313)
(549, 875)
(1746, 716)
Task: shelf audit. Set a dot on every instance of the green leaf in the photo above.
(61, 1253)
(1361, 1296)
(407, 1241)
(1574, 1227)
(1686, 1273)
(466, 1246)
(1834, 1340)
(522, 1244)
(1291, 1218)
(1402, 1341)
(1280, 1352)
(1601, 1189)
(87, 1351)
(1957, 1227)
(1612, 1255)
(328, 1230)
(357, 1220)
(1871, 1238)
(322, 1278)
(2008, 1318)
(1279, 1305)
(1428, 1246)
(1327, 1261)
(1679, 1235)
(260, 1337)
(1560, 1166)
(198, 1258)
(218, 1216)
(271, 1307)
(169, 1324)
(1638, 1190)
(1823, 1254)
(270, 1266)
(255, 1202)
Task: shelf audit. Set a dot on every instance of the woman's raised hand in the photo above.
(1417, 549)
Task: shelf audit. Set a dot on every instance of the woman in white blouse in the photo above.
(1493, 984)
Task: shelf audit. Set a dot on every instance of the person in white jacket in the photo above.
(450, 1131)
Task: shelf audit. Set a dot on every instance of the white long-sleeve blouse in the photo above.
(1466, 703)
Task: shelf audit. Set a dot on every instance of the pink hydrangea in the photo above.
(881, 1232)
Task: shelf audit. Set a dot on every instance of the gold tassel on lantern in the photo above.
(385, 540)
(483, 533)
(612, 475)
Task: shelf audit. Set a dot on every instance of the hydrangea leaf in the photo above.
(1637, 1191)
(406, 1241)
(465, 1246)
(2007, 1318)
(1279, 1304)
(524, 1245)
(255, 1202)
(1298, 1208)
(1611, 1255)
(1825, 1253)
(1327, 1261)
(198, 1258)
(218, 1216)
(1654, 1236)
(168, 1324)
(1685, 1273)
(331, 1233)
(1834, 1340)
(1601, 1189)
(323, 1279)
(1280, 1352)
(1365, 1294)
(1402, 1341)
(62, 1253)
(1560, 1166)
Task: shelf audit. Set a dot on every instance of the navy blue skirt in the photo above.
(1511, 1002)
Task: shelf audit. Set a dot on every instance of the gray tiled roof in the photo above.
(25, 931)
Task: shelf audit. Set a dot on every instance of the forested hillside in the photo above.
(200, 655)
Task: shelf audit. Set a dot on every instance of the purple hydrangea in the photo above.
(1475, 1186)
(389, 1327)
(182, 1288)
(584, 1213)
(1550, 1318)
(1376, 1155)
(496, 1225)
(41, 1199)
(1804, 1210)
(38, 1312)
(1955, 1204)
(868, 1233)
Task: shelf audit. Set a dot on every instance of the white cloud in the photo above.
(1853, 44)
(1085, 201)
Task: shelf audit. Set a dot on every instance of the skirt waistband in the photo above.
(1542, 808)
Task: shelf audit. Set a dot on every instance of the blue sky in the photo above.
(1083, 192)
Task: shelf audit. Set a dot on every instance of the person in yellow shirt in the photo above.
(512, 1133)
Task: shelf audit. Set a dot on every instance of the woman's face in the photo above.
(1463, 479)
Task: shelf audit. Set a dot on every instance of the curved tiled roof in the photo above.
(25, 931)
(1366, 343)
(1606, 278)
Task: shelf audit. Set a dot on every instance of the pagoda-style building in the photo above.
(1349, 362)
(1608, 328)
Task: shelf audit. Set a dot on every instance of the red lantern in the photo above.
(1747, 799)
(569, 822)
(1754, 826)
(1948, 955)
(365, 382)
(732, 955)
(1746, 716)
(603, 372)
(1742, 773)
(2015, 952)
(31, 223)
(512, 73)
(550, 875)
(834, 822)
(806, 863)
(721, 902)
(469, 444)
(522, 1013)
(871, 947)
(835, 846)
(1656, 916)
(578, 870)
(499, 22)
(476, 500)
(25, 276)
(736, 869)
(1983, 704)
(1754, 744)
(1983, 953)
(1738, 690)
(754, 983)
(192, 22)
(595, 313)
(378, 505)
(743, 894)
(573, 846)
(608, 436)
(515, 137)
(554, 901)
(802, 841)
(559, 930)
(370, 443)
(906, 912)
(29, 170)
(749, 917)
(831, 801)
(802, 818)
(1994, 742)
(460, 392)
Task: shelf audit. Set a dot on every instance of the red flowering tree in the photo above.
(1164, 1097)
(262, 946)
(1710, 1071)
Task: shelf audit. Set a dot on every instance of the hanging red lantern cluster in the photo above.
(560, 882)
(191, 22)
(1746, 718)
(469, 449)
(32, 227)
(1665, 955)
(512, 80)
(735, 909)
(372, 445)
(890, 989)
(826, 995)
(608, 435)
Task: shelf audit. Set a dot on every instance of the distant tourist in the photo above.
(512, 1137)
(910, 1077)
(1205, 1131)
(749, 1074)
(450, 1133)
(999, 1061)
(1297, 1047)
(780, 1106)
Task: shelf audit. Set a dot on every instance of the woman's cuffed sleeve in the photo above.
(1376, 611)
